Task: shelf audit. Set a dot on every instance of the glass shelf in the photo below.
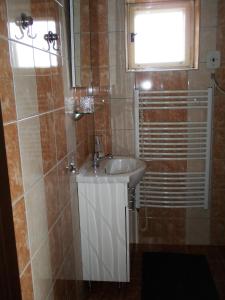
(78, 115)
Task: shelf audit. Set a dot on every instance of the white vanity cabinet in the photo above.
(104, 224)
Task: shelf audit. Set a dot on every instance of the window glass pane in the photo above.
(160, 36)
(21, 53)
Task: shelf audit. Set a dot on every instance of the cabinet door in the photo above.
(104, 231)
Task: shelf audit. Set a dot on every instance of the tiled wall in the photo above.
(218, 191)
(121, 83)
(100, 71)
(40, 142)
(169, 226)
(85, 126)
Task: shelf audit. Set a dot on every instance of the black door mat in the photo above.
(175, 276)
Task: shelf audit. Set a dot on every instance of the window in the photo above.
(21, 55)
(163, 35)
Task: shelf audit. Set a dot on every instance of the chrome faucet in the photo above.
(97, 159)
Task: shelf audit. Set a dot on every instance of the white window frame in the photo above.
(192, 13)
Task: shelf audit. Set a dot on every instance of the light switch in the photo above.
(213, 60)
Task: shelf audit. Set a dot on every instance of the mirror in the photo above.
(80, 43)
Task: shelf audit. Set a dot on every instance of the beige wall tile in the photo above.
(81, 153)
(53, 206)
(116, 15)
(78, 47)
(106, 140)
(209, 13)
(207, 42)
(41, 272)
(66, 228)
(122, 114)
(56, 248)
(199, 79)
(56, 64)
(121, 82)
(26, 96)
(123, 142)
(30, 150)
(36, 216)
(70, 133)
(74, 210)
(44, 93)
(42, 62)
(113, 51)
(117, 49)
(22, 59)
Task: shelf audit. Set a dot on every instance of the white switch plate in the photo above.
(213, 60)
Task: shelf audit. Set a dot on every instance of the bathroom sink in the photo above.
(113, 170)
(132, 167)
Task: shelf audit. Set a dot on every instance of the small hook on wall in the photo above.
(50, 38)
(25, 22)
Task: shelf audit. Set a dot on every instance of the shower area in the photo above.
(199, 115)
(174, 120)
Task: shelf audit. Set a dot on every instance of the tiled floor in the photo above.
(132, 291)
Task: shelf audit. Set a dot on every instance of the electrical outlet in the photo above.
(213, 60)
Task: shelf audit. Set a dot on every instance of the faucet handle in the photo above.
(72, 168)
(109, 155)
(96, 156)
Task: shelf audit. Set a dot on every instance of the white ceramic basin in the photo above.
(132, 167)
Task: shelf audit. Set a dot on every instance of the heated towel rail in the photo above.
(163, 140)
